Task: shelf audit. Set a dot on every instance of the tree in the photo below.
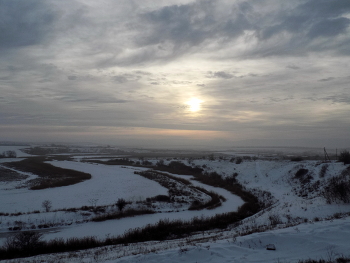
(23, 241)
(8, 154)
(344, 157)
(121, 203)
(11, 154)
(47, 204)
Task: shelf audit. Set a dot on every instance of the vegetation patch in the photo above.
(7, 175)
(179, 187)
(49, 176)
(337, 189)
(162, 230)
(118, 215)
(8, 154)
(344, 157)
(175, 167)
(297, 159)
(337, 260)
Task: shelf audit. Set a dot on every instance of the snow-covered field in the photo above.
(297, 219)
(108, 183)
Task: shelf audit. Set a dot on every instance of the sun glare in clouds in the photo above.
(194, 104)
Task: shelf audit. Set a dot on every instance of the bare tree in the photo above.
(47, 204)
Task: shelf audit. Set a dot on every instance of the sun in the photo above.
(194, 104)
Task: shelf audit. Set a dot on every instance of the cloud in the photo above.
(329, 27)
(326, 79)
(338, 98)
(25, 23)
(297, 28)
(123, 78)
(72, 77)
(253, 63)
(219, 74)
(293, 67)
(94, 100)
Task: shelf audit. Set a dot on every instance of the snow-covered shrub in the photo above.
(275, 219)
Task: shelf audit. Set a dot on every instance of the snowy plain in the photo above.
(316, 235)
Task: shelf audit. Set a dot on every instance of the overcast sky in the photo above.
(176, 73)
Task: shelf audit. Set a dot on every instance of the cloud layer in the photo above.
(264, 70)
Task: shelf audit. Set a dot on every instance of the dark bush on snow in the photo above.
(121, 203)
(239, 160)
(338, 189)
(296, 159)
(23, 242)
(162, 198)
(344, 157)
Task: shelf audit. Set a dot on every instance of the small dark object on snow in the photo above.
(270, 247)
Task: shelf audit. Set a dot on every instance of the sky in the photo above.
(176, 73)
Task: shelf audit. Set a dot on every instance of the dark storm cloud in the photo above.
(24, 23)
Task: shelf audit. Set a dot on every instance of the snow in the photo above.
(108, 183)
(321, 240)
(316, 241)
(324, 238)
(117, 227)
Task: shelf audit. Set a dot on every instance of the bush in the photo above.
(275, 219)
(337, 189)
(239, 160)
(344, 157)
(296, 159)
(47, 204)
(323, 170)
(121, 203)
(301, 172)
(23, 242)
(8, 154)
